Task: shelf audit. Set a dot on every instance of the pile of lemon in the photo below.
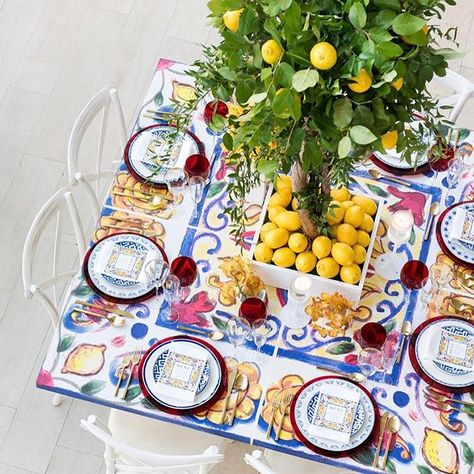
(283, 243)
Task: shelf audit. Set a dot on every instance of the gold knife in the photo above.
(232, 378)
(383, 424)
(118, 311)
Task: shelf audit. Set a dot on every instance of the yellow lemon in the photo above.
(263, 253)
(342, 253)
(398, 84)
(354, 215)
(327, 267)
(321, 246)
(335, 213)
(363, 238)
(280, 199)
(440, 452)
(276, 238)
(231, 19)
(362, 82)
(266, 227)
(334, 230)
(359, 254)
(369, 205)
(340, 194)
(350, 274)
(305, 262)
(323, 55)
(347, 204)
(274, 211)
(368, 224)
(284, 257)
(389, 139)
(297, 242)
(295, 204)
(271, 51)
(346, 234)
(289, 220)
(284, 184)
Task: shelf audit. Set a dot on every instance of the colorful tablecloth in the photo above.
(84, 355)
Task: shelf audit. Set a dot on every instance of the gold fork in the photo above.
(283, 410)
(134, 361)
(276, 404)
(120, 372)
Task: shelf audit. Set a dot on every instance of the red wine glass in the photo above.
(215, 107)
(414, 276)
(197, 165)
(372, 335)
(440, 163)
(252, 309)
(185, 269)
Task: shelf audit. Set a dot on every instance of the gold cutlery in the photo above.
(378, 175)
(164, 112)
(393, 427)
(118, 311)
(276, 404)
(131, 220)
(283, 410)
(214, 335)
(114, 320)
(383, 424)
(145, 232)
(230, 387)
(120, 372)
(153, 201)
(460, 306)
(146, 194)
(434, 211)
(444, 399)
(241, 385)
(134, 361)
(355, 376)
(405, 331)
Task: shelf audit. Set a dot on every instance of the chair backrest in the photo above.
(122, 458)
(99, 104)
(463, 89)
(258, 462)
(59, 206)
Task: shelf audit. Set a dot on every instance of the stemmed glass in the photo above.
(414, 276)
(176, 180)
(171, 294)
(369, 360)
(261, 329)
(156, 271)
(389, 352)
(197, 165)
(196, 189)
(372, 335)
(253, 309)
(185, 269)
(237, 330)
(440, 274)
(212, 109)
(456, 168)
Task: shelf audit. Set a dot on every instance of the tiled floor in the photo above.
(54, 54)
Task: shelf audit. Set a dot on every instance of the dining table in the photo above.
(84, 355)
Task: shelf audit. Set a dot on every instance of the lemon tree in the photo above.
(317, 86)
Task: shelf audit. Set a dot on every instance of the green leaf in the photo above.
(362, 135)
(418, 39)
(267, 167)
(228, 141)
(292, 18)
(340, 348)
(389, 326)
(389, 49)
(296, 141)
(65, 343)
(146, 403)
(248, 21)
(412, 237)
(344, 147)
(342, 113)
(83, 290)
(407, 24)
(390, 4)
(365, 457)
(312, 156)
(132, 393)
(377, 190)
(384, 18)
(158, 99)
(215, 188)
(242, 92)
(219, 323)
(92, 387)
(378, 35)
(284, 74)
(257, 98)
(390, 76)
(390, 467)
(304, 79)
(227, 73)
(287, 104)
(357, 15)
(467, 453)
(449, 53)
(423, 469)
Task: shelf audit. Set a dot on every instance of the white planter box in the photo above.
(280, 277)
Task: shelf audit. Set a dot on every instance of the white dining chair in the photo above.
(106, 99)
(273, 462)
(463, 90)
(136, 444)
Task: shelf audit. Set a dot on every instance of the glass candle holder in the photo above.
(293, 315)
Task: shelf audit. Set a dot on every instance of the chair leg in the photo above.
(57, 399)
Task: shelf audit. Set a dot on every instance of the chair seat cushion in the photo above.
(285, 463)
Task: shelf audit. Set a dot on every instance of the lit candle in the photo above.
(302, 284)
(401, 225)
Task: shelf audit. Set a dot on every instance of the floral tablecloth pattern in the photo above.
(84, 355)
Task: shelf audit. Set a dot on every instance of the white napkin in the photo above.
(453, 350)
(335, 412)
(182, 372)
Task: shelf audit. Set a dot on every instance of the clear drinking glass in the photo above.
(456, 168)
(369, 360)
(440, 274)
(176, 179)
(156, 271)
(261, 329)
(389, 351)
(237, 330)
(172, 295)
(196, 188)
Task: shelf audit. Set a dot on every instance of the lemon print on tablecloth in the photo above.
(85, 359)
(440, 452)
(183, 92)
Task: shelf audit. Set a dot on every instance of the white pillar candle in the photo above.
(302, 284)
(401, 225)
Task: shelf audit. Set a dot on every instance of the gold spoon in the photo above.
(241, 385)
(393, 427)
(444, 399)
(405, 331)
(213, 335)
(378, 175)
(434, 211)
